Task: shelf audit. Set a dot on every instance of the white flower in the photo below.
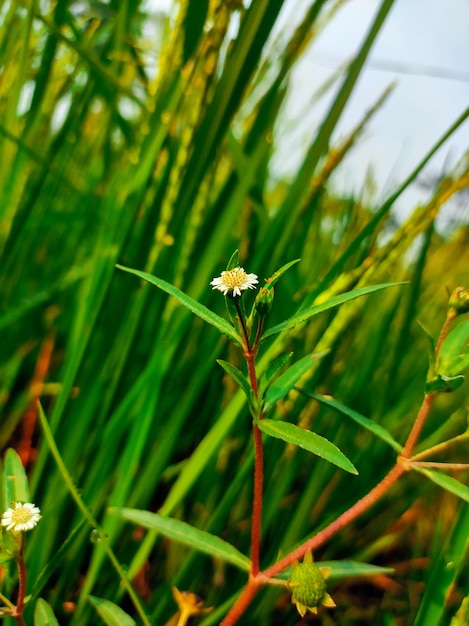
(21, 517)
(235, 281)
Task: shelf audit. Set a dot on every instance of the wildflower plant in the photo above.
(18, 518)
(267, 381)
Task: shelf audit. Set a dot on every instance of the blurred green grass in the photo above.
(155, 154)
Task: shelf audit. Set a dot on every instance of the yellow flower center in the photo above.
(234, 278)
(21, 515)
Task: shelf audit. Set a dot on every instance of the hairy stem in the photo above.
(21, 579)
(257, 500)
(418, 425)
(348, 516)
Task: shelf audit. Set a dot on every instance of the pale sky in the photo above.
(424, 46)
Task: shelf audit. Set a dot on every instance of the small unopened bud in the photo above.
(308, 586)
(264, 301)
(459, 300)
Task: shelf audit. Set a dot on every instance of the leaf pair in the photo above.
(227, 329)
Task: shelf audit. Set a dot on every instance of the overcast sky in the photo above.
(424, 45)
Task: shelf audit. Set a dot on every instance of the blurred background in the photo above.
(163, 137)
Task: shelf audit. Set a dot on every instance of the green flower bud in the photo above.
(459, 300)
(264, 301)
(308, 585)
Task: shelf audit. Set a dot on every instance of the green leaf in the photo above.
(308, 441)
(454, 353)
(288, 379)
(376, 429)
(276, 275)
(444, 383)
(306, 314)
(16, 488)
(240, 378)
(110, 613)
(271, 370)
(345, 569)
(431, 351)
(447, 482)
(233, 262)
(199, 309)
(44, 615)
(186, 534)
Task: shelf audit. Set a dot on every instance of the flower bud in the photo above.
(308, 585)
(459, 300)
(264, 301)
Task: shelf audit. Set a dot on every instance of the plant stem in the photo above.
(444, 466)
(90, 517)
(348, 516)
(418, 424)
(21, 584)
(450, 317)
(429, 397)
(440, 447)
(257, 499)
(402, 465)
(256, 523)
(247, 345)
(241, 604)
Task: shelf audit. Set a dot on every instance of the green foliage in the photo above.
(110, 613)
(187, 535)
(44, 615)
(155, 152)
(15, 481)
(308, 441)
(454, 354)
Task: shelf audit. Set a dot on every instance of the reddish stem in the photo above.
(418, 425)
(257, 499)
(21, 583)
(258, 578)
(241, 604)
(450, 317)
(256, 524)
(348, 516)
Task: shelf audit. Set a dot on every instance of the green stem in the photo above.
(440, 447)
(90, 518)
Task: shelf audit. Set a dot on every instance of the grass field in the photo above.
(154, 154)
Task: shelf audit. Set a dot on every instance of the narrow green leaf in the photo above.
(276, 275)
(431, 351)
(447, 482)
(234, 261)
(306, 314)
(288, 379)
(376, 429)
(44, 615)
(199, 309)
(238, 376)
(110, 613)
(185, 534)
(345, 569)
(16, 487)
(270, 372)
(454, 353)
(308, 441)
(450, 550)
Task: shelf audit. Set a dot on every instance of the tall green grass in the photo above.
(154, 153)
